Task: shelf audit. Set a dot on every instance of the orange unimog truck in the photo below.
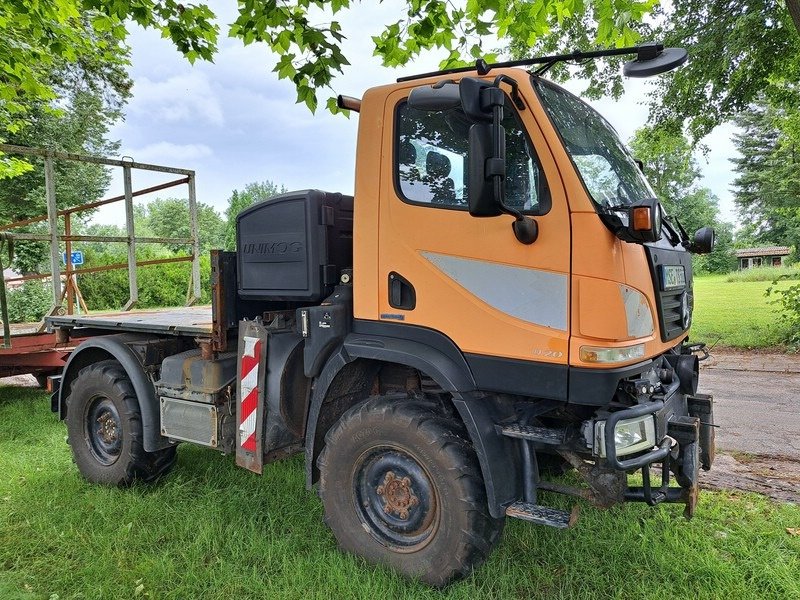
(504, 298)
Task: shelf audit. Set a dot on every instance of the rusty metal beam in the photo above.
(91, 205)
(45, 237)
(12, 149)
(141, 263)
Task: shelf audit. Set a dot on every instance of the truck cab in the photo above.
(503, 298)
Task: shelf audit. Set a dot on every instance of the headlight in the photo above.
(592, 354)
(630, 436)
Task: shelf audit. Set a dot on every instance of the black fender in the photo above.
(117, 347)
(497, 454)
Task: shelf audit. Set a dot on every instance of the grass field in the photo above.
(736, 313)
(213, 531)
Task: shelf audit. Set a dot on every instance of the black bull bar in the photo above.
(687, 445)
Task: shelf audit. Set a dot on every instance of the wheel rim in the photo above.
(103, 428)
(395, 499)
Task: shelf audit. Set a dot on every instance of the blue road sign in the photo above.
(76, 255)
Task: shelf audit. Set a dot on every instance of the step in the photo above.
(543, 515)
(543, 435)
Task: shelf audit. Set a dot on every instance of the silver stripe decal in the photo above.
(532, 295)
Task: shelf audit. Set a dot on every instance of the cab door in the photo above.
(503, 303)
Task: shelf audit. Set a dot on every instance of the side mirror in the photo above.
(483, 165)
(704, 240)
(653, 59)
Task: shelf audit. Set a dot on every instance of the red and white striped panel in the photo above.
(249, 393)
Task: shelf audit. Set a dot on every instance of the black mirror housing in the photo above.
(444, 95)
(704, 240)
(482, 164)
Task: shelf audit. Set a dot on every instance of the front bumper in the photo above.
(686, 431)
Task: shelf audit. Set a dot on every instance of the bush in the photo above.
(764, 274)
(788, 300)
(159, 286)
(29, 302)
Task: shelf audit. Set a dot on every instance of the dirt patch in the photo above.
(777, 477)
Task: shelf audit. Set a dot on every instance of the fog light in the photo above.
(630, 436)
(592, 354)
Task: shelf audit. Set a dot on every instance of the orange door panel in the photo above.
(471, 279)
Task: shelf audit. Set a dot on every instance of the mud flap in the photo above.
(250, 395)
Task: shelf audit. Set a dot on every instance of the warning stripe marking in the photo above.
(249, 393)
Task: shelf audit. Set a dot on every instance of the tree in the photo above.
(738, 49)
(767, 186)
(37, 37)
(40, 39)
(252, 193)
(79, 126)
(169, 217)
(674, 174)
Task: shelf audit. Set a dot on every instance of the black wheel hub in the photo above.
(395, 498)
(103, 430)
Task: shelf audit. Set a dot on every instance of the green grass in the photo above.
(736, 314)
(764, 274)
(212, 531)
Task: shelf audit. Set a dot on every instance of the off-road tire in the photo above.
(396, 430)
(119, 458)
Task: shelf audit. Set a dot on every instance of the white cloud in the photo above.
(187, 97)
(167, 153)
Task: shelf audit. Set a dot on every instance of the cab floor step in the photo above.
(543, 435)
(543, 515)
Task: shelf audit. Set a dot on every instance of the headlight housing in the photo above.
(595, 354)
(630, 436)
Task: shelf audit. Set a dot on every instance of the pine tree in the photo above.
(767, 186)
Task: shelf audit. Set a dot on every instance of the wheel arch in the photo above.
(116, 347)
(349, 376)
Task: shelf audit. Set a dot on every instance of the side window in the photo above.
(432, 154)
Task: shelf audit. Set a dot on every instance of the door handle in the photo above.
(401, 293)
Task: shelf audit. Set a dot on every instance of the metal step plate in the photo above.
(543, 515)
(543, 435)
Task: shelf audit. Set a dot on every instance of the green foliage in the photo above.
(239, 200)
(29, 302)
(788, 299)
(169, 217)
(767, 186)
(40, 38)
(737, 51)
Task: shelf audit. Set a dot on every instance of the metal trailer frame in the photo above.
(40, 351)
(55, 238)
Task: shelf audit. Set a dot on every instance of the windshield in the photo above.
(612, 178)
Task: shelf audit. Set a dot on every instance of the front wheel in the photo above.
(401, 486)
(104, 427)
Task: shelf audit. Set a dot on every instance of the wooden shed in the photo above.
(766, 256)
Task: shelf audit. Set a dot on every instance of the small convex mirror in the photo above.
(654, 59)
(704, 240)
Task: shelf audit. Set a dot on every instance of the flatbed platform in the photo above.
(190, 320)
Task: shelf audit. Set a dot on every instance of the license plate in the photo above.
(673, 277)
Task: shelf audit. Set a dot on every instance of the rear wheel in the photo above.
(104, 426)
(401, 486)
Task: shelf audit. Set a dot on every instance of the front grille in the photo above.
(670, 314)
(669, 303)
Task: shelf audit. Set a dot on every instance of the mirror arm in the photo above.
(514, 90)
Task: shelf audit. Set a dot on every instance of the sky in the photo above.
(234, 123)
